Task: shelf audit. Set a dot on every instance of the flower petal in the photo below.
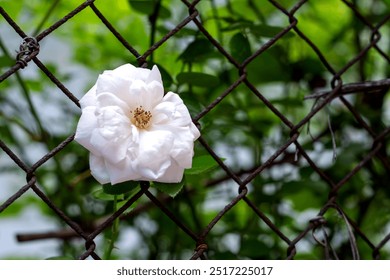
(121, 151)
(133, 73)
(154, 153)
(180, 116)
(173, 174)
(89, 99)
(117, 85)
(108, 99)
(98, 169)
(136, 91)
(125, 71)
(182, 150)
(130, 72)
(154, 94)
(85, 128)
(195, 131)
(163, 112)
(154, 75)
(111, 137)
(112, 152)
(112, 122)
(122, 172)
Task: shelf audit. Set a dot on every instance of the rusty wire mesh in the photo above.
(315, 228)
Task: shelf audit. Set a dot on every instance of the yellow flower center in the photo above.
(140, 118)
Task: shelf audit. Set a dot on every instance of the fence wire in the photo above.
(315, 229)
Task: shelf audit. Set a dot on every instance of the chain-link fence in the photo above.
(295, 149)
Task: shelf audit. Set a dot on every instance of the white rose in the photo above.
(133, 131)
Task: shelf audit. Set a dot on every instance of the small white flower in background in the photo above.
(133, 131)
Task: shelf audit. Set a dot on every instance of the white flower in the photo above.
(133, 131)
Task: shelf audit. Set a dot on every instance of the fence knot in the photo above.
(202, 247)
(90, 247)
(199, 251)
(28, 47)
(317, 221)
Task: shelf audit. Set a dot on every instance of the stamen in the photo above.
(141, 118)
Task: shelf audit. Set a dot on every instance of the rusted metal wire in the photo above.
(28, 53)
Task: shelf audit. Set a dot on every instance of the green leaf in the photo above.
(143, 6)
(288, 102)
(197, 51)
(172, 189)
(234, 25)
(304, 194)
(6, 61)
(269, 67)
(19, 205)
(240, 47)
(120, 188)
(35, 85)
(165, 76)
(258, 30)
(307, 67)
(262, 30)
(201, 164)
(252, 247)
(148, 6)
(164, 12)
(197, 79)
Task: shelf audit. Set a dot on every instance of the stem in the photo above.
(218, 23)
(26, 93)
(114, 232)
(153, 23)
(256, 11)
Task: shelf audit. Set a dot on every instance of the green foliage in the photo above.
(197, 79)
(197, 51)
(35, 117)
(172, 189)
(120, 188)
(145, 7)
(240, 47)
(149, 7)
(202, 164)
